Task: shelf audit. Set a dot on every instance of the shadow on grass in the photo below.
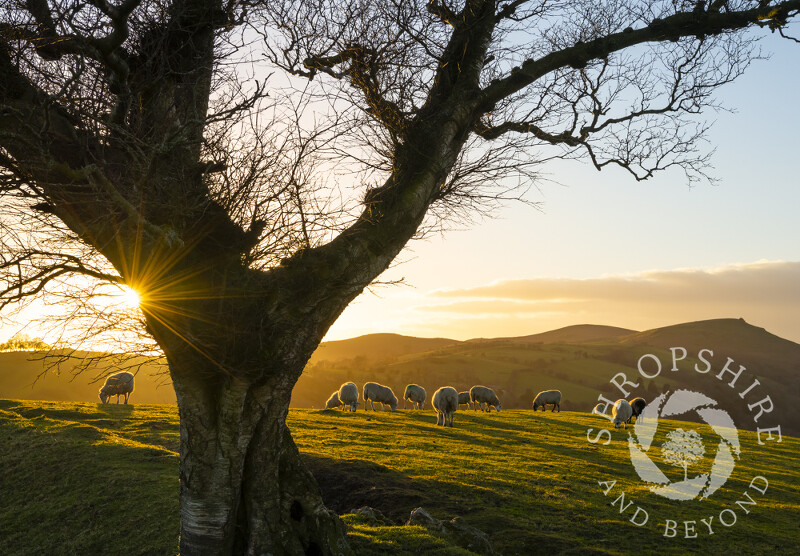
(350, 484)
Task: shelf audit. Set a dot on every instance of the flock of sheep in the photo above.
(622, 412)
(446, 400)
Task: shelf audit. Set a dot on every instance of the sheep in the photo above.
(416, 394)
(599, 409)
(637, 406)
(375, 392)
(547, 397)
(333, 402)
(621, 412)
(480, 395)
(120, 384)
(348, 395)
(464, 399)
(445, 402)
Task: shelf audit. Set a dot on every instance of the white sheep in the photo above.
(637, 406)
(333, 401)
(482, 395)
(599, 409)
(374, 392)
(465, 399)
(546, 398)
(416, 394)
(348, 395)
(445, 402)
(120, 384)
(621, 412)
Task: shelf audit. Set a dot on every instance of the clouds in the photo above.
(761, 282)
(766, 293)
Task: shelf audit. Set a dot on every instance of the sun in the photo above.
(130, 297)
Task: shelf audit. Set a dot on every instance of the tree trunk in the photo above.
(244, 489)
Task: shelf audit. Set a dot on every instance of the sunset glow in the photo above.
(130, 297)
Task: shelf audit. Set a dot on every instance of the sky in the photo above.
(605, 249)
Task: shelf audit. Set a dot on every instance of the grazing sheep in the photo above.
(546, 398)
(599, 409)
(482, 395)
(416, 394)
(348, 395)
(464, 399)
(637, 406)
(374, 392)
(445, 402)
(621, 412)
(120, 384)
(333, 401)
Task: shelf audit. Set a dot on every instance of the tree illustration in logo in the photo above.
(682, 449)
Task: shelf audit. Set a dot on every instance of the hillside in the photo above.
(576, 334)
(517, 368)
(377, 346)
(86, 479)
(736, 338)
(578, 360)
(26, 375)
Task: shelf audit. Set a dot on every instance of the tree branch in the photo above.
(671, 28)
(363, 75)
(443, 12)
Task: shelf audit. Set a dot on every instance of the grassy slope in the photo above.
(578, 361)
(517, 369)
(89, 479)
(25, 375)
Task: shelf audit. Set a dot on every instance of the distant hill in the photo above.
(578, 360)
(581, 360)
(576, 334)
(734, 337)
(377, 346)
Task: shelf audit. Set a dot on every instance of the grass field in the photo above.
(89, 479)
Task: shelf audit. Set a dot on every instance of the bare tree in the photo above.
(141, 146)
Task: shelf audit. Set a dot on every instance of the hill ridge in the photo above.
(576, 360)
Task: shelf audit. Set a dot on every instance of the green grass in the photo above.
(90, 479)
(84, 479)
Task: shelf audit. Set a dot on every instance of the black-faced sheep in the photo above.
(621, 412)
(120, 384)
(637, 406)
(374, 392)
(464, 399)
(416, 394)
(445, 402)
(333, 401)
(546, 398)
(348, 395)
(480, 395)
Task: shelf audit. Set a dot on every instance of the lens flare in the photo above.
(131, 298)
